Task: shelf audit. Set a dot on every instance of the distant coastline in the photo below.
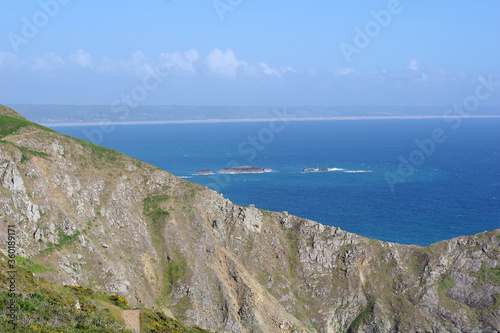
(247, 120)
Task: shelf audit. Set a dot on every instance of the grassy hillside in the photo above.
(9, 112)
(43, 307)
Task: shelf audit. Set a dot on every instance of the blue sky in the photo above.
(242, 52)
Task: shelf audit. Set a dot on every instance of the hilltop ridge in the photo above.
(93, 217)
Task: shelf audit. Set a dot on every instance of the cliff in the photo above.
(93, 217)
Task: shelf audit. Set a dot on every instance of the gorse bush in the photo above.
(42, 307)
(157, 322)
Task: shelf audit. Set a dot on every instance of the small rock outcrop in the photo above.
(204, 172)
(244, 169)
(11, 178)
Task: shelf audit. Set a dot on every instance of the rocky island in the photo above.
(204, 172)
(244, 169)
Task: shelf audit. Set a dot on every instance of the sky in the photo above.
(242, 52)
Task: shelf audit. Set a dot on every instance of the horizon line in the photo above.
(247, 120)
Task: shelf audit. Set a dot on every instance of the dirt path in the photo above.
(10, 137)
(132, 320)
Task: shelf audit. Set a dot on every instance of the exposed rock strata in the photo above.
(98, 218)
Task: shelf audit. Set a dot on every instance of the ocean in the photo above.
(428, 179)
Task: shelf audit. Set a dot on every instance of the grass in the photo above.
(27, 151)
(65, 240)
(488, 274)
(151, 205)
(446, 283)
(42, 307)
(152, 210)
(30, 266)
(10, 125)
(45, 308)
(173, 272)
(157, 322)
(37, 268)
(101, 156)
(360, 319)
(174, 269)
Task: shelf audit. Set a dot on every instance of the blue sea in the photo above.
(428, 181)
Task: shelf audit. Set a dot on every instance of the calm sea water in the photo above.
(455, 189)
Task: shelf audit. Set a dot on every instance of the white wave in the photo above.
(335, 169)
(357, 171)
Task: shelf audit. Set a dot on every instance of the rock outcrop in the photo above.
(94, 217)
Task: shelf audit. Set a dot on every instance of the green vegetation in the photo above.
(496, 300)
(446, 283)
(173, 272)
(27, 151)
(100, 156)
(30, 266)
(5, 111)
(157, 322)
(152, 210)
(174, 268)
(65, 240)
(488, 274)
(151, 206)
(47, 308)
(420, 259)
(10, 125)
(362, 316)
(119, 301)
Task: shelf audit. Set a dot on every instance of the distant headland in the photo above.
(97, 115)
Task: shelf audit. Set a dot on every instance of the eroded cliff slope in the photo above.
(97, 218)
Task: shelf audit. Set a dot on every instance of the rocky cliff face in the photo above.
(96, 218)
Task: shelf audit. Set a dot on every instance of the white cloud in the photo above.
(223, 63)
(413, 65)
(313, 72)
(343, 71)
(82, 59)
(138, 65)
(183, 61)
(7, 59)
(47, 62)
(276, 72)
